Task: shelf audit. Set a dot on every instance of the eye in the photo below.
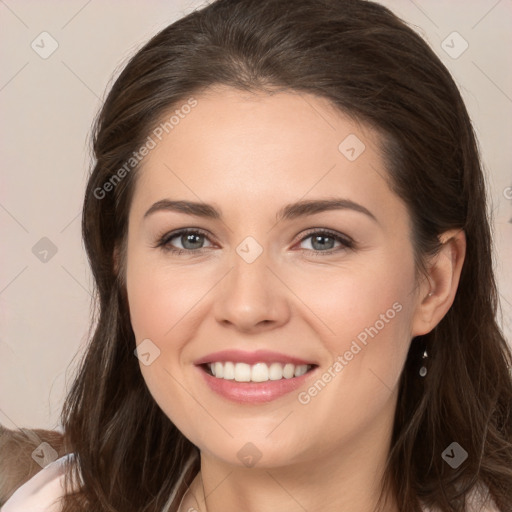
(322, 241)
(191, 241)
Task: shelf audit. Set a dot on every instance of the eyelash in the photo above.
(164, 241)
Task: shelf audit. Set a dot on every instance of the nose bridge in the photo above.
(250, 261)
(250, 295)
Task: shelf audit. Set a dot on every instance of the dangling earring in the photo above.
(423, 369)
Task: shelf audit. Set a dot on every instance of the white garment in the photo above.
(41, 492)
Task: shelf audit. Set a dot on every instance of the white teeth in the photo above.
(229, 371)
(259, 372)
(242, 372)
(288, 371)
(275, 371)
(300, 370)
(219, 370)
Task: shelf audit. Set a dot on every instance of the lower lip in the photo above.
(254, 392)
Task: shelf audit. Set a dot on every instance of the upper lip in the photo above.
(258, 356)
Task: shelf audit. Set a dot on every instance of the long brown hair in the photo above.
(373, 67)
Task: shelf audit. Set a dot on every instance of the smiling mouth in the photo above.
(259, 372)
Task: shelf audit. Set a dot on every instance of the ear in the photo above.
(437, 292)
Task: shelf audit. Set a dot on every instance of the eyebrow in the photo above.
(288, 212)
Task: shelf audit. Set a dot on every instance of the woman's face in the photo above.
(254, 279)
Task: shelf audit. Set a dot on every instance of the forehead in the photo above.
(242, 148)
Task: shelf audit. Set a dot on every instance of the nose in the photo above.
(251, 298)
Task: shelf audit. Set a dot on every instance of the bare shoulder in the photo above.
(23, 454)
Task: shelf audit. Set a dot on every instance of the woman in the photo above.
(287, 225)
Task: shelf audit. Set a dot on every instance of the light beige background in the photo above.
(48, 106)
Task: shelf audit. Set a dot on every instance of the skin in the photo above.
(249, 155)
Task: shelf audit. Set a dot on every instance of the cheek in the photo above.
(161, 304)
(151, 307)
(356, 298)
(159, 297)
(364, 314)
(367, 326)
